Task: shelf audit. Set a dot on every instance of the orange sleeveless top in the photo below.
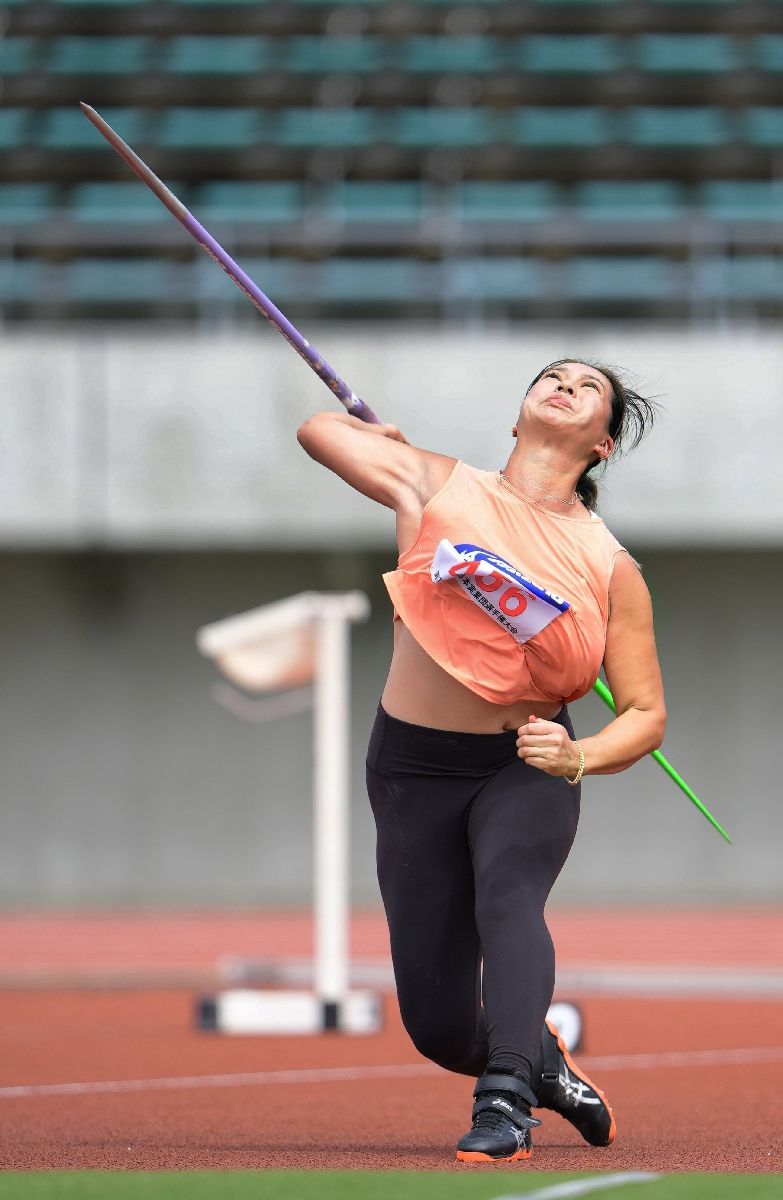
(477, 514)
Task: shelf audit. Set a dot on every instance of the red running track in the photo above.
(695, 1083)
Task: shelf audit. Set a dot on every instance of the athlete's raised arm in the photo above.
(377, 460)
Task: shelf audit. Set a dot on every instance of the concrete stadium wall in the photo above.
(124, 783)
(161, 437)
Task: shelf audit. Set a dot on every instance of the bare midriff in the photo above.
(419, 691)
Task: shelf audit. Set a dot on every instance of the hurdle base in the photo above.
(254, 1011)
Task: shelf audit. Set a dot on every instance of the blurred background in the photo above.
(443, 196)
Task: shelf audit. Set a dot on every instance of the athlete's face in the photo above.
(576, 398)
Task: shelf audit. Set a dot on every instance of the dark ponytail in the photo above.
(632, 416)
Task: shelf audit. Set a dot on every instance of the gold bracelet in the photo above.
(580, 772)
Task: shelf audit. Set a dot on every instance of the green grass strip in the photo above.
(484, 1184)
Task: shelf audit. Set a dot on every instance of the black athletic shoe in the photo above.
(567, 1090)
(501, 1130)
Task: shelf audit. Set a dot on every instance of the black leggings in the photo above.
(470, 841)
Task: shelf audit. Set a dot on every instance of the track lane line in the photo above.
(581, 1187)
(617, 1062)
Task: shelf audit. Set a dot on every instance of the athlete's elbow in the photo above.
(657, 728)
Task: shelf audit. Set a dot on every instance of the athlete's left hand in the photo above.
(546, 745)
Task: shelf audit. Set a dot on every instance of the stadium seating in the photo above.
(356, 201)
(68, 129)
(650, 200)
(445, 127)
(578, 127)
(502, 201)
(216, 55)
(633, 278)
(322, 55)
(26, 203)
(237, 200)
(678, 126)
(481, 280)
(687, 52)
(16, 55)
(763, 126)
(767, 53)
(14, 125)
(124, 280)
(369, 157)
(196, 128)
(440, 54)
(372, 281)
(588, 54)
(22, 280)
(98, 55)
(743, 200)
(117, 204)
(316, 127)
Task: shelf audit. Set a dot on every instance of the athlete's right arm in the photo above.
(375, 459)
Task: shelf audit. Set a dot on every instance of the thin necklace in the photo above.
(569, 503)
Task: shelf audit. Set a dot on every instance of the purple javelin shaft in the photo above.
(342, 391)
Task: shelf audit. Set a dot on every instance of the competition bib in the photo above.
(520, 606)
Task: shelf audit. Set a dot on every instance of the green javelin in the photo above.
(603, 691)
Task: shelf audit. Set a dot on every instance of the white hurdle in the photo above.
(303, 640)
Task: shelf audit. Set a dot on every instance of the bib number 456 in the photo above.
(510, 600)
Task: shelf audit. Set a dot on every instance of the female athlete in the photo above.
(509, 596)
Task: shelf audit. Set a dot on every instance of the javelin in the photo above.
(342, 391)
(355, 406)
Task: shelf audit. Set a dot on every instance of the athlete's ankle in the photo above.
(499, 1067)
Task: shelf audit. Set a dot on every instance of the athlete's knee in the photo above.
(447, 1045)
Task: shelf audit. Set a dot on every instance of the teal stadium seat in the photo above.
(328, 127)
(535, 200)
(98, 55)
(26, 203)
(216, 55)
(439, 55)
(749, 278)
(648, 200)
(239, 200)
(372, 281)
(397, 202)
(211, 128)
(763, 126)
(706, 3)
(562, 127)
(324, 55)
(120, 280)
(487, 279)
(122, 203)
(767, 52)
(69, 129)
(22, 280)
(219, 3)
(14, 125)
(743, 200)
(690, 53)
(677, 127)
(446, 127)
(585, 3)
(632, 278)
(17, 55)
(581, 53)
(457, 3)
(98, 3)
(282, 280)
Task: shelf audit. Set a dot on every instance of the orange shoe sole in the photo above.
(475, 1156)
(585, 1078)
